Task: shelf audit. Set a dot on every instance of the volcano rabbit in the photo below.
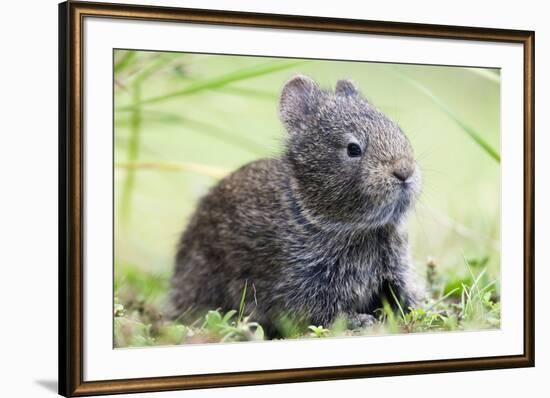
(316, 233)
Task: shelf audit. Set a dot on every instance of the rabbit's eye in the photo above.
(354, 150)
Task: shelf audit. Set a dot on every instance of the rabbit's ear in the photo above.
(299, 103)
(346, 88)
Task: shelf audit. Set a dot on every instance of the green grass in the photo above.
(184, 121)
(139, 301)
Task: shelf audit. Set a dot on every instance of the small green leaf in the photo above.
(259, 333)
(228, 315)
(213, 320)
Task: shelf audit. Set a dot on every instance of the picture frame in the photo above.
(73, 203)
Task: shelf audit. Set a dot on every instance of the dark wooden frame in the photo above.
(71, 237)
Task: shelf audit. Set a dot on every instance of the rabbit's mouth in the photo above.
(407, 190)
(404, 201)
(394, 206)
(393, 212)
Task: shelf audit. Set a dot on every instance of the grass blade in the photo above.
(475, 280)
(125, 61)
(472, 133)
(155, 65)
(210, 171)
(249, 92)
(224, 135)
(136, 119)
(241, 305)
(132, 155)
(220, 81)
(228, 137)
(488, 74)
(449, 294)
(398, 303)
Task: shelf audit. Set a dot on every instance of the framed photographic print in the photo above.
(250, 198)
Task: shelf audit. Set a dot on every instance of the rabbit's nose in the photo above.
(403, 172)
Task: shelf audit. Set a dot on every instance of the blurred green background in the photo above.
(182, 121)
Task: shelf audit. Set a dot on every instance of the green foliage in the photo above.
(318, 331)
(473, 306)
(227, 328)
(476, 309)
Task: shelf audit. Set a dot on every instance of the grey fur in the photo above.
(314, 233)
